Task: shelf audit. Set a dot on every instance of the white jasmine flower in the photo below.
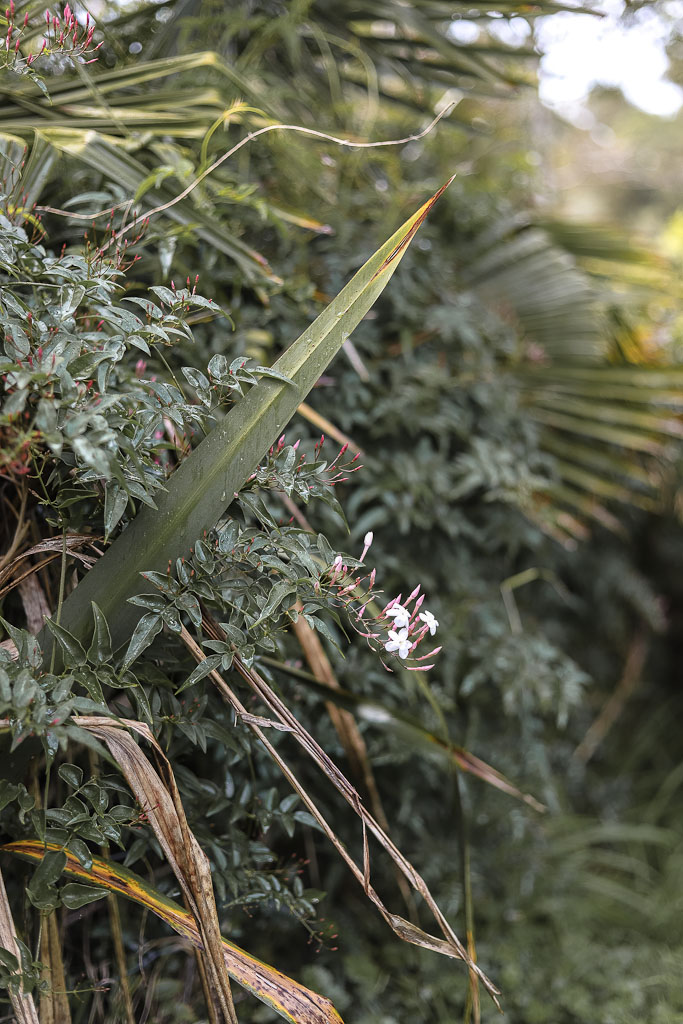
(429, 621)
(400, 615)
(399, 642)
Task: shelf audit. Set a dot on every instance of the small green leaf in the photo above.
(9, 790)
(9, 959)
(115, 501)
(74, 655)
(49, 869)
(277, 595)
(41, 890)
(71, 774)
(100, 648)
(75, 895)
(202, 669)
(82, 851)
(304, 818)
(268, 371)
(147, 628)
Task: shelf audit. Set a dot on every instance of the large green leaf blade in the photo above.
(204, 484)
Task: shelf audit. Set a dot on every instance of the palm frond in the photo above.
(609, 429)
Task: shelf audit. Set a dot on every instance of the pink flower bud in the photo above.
(367, 541)
(430, 655)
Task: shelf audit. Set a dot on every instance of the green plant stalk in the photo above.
(60, 598)
(472, 1004)
(204, 484)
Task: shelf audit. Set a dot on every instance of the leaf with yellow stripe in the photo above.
(291, 1000)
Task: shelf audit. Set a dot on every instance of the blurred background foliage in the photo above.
(516, 395)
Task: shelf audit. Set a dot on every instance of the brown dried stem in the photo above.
(23, 1005)
(285, 721)
(157, 794)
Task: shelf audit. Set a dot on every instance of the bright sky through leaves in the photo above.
(581, 51)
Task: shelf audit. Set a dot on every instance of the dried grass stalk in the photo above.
(157, 794)
(54, 1004)
(450, 945)
(23, 1004)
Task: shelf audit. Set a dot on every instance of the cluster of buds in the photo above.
(122, 260)
(65, 35)
(183, 296)
(398, 629)
(307, 479)
(17, 446)
(342, 470)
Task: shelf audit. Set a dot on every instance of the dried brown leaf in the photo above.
(449, 946)
(22, 1004)
(158, 795)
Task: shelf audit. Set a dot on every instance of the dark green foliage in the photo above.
(576, 911)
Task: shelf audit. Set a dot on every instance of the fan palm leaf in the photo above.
(608, 428)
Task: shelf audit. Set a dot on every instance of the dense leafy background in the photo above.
(542, 528)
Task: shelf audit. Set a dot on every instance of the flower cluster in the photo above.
(409, 627)
(66, 36)
(405, 622)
